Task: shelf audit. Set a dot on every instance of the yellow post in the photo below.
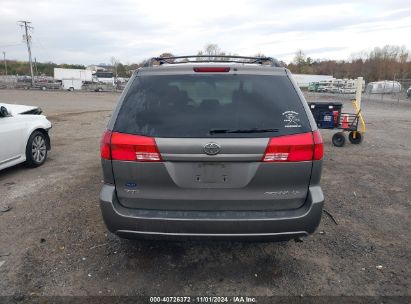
(357, 104)
(358, 91)
(357, 109)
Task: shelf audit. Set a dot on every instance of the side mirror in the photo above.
(3, 112)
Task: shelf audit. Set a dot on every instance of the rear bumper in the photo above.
(242, 225)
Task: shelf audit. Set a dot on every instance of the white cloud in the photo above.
(93, 31)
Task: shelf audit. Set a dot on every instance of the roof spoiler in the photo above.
(212, 58)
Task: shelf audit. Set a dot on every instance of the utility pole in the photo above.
(35, 65)
(28, 27)
(5, 62)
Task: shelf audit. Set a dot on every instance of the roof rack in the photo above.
(212, 58)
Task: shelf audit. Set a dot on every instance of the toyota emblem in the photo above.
(212, 148)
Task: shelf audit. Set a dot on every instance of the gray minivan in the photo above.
(221, 148)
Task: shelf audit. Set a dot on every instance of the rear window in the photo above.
(197, 105)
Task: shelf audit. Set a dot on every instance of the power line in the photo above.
(8, 45)
(27, 28)
(36, 41)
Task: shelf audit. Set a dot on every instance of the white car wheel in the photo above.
(36, 150)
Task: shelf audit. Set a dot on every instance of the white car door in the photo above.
(12, 139)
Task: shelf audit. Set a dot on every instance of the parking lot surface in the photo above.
(53, 241)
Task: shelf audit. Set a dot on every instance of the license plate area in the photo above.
(218, 175)
(212, 173)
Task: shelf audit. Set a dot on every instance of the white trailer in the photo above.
(383, 87)
(83, 75)
(72, 84)
(303, 80)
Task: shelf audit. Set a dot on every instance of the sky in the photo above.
(91, 32)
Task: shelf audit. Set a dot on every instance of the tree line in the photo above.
(381, 63)
(15, 67)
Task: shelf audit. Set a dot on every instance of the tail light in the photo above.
(318, 145)
(294, 148)
(105, 150)
(127, 147)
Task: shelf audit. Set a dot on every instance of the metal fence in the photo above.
(400, 96)
(405, 85)
(395, 96)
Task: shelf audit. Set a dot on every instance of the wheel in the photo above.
(36, 149)
(3, 112)
(338, 139)
(100, 89)
(43, 88)
(355, 137)
(71, 89)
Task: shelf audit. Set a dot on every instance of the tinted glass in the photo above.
(192, 105)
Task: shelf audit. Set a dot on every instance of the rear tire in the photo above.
(43, 88)
(357, 139)
(338, 139)
(36, 149)
(71, 89)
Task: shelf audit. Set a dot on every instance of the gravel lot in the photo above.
(54, 242)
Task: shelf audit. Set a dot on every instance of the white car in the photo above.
(23, 135)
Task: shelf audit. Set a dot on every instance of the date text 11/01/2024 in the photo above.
(200, 299)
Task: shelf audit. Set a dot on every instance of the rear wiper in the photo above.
(253, 130)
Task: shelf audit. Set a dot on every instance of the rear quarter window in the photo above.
(192, 105)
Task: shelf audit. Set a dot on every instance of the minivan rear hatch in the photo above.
(216, 140)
